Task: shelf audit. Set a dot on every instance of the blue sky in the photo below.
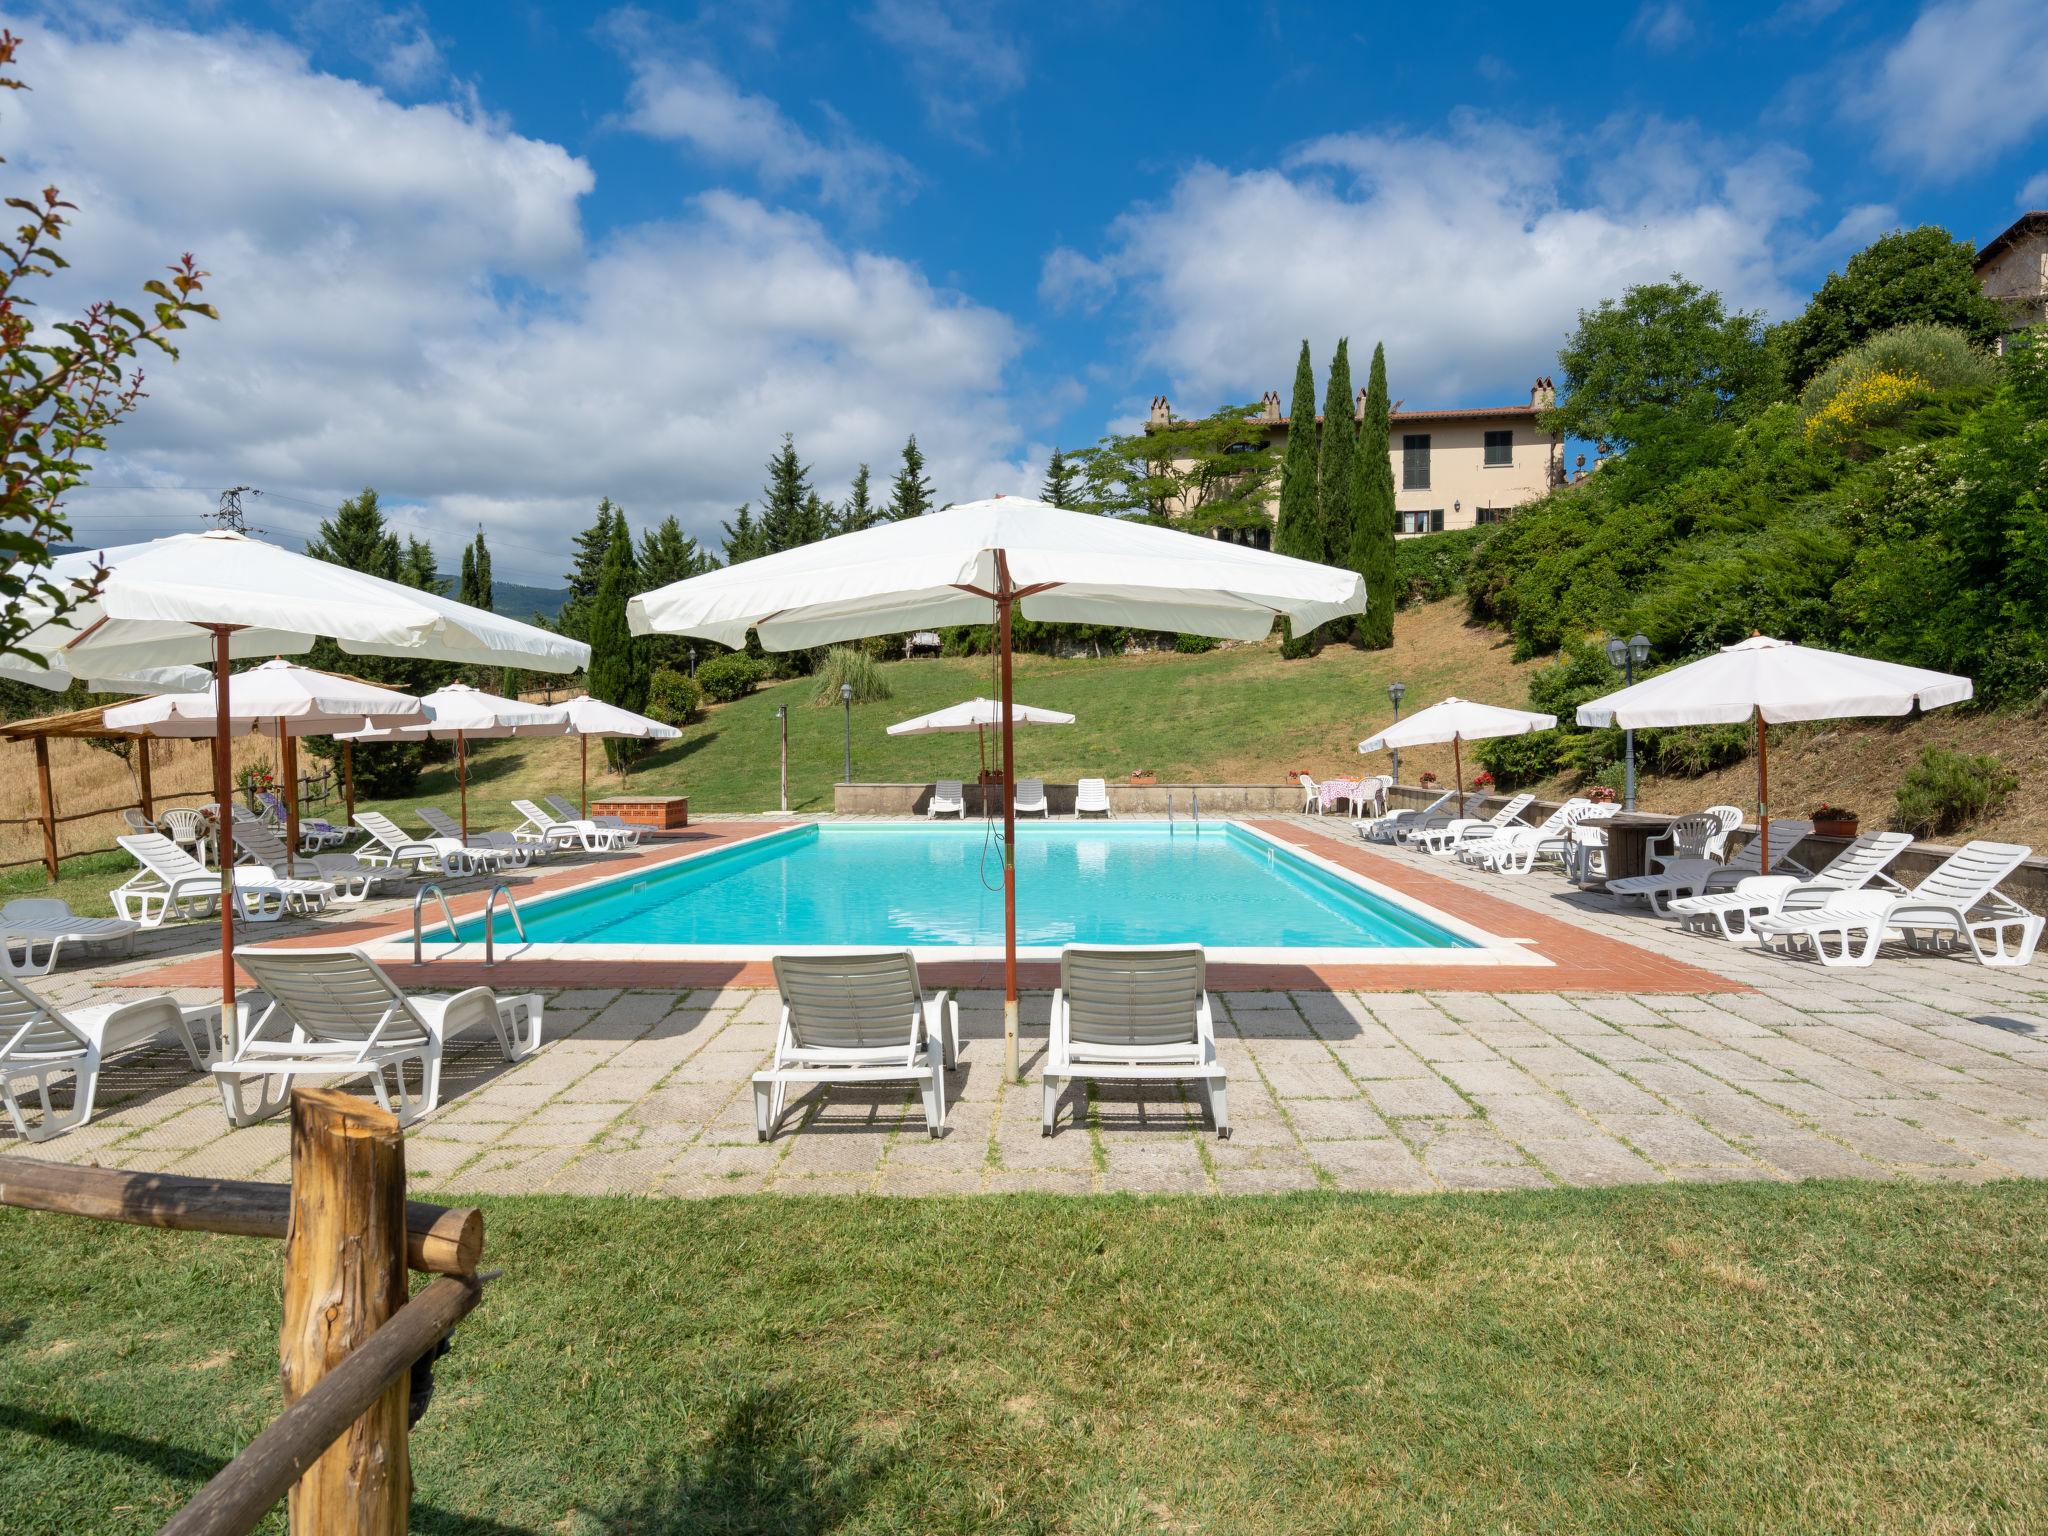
(498, 260)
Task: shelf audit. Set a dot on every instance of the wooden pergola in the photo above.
(87, 724)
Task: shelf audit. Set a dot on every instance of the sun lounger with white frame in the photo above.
(32, 921)
(1030, 799)
(948, 798)
(1137, 1014)
(1460, 830)
(1515, 850)
(1958, 903)
(353, 880)
(562, 808)
(1701, 877)
(1860, 864)
(336, 1014)
(858, 1017)
(1388, 828)
(171, 883)
(392, 844)
(1091, 798)
(545, 826)
(41, 1044)
(493, 850)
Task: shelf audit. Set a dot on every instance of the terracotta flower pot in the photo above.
(1845, 829)
(1144, 778)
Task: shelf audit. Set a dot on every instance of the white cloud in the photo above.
(1661, 25)
(1470, 253)
(1069, 280)
(959, 58)
(409, 301)
(2035, 192)
(689, 102)
(1967, 82)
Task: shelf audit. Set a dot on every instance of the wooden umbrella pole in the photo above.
(348, 780)
(1763, 785)
(1004, 602)
(223, 790)
(462, 780)
(1458, 773)
(288, 755)
(586, 775)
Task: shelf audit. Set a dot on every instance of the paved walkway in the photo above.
(1920, 1066)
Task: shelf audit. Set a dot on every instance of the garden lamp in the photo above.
(1625, 656)
(1396, 691)
(846, 702)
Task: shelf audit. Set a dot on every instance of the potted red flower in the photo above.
(1600, 794)
(1833, 821)
(1482, 780)
(1144, 776)
(1428, 780)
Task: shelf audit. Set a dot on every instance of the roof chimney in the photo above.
(1162, 413)
(1543, 394)
(1358, 407)
(1271, 403)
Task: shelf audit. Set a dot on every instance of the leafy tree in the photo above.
(790, 510)
(1214, 473)
(860, 510)
(1665, 367)
(1297, 531)
(1907, 276)
(1337, 464)
(910, 493)
(743, 539)
(619, 666)
(59, 398)
(1062, 485)
(357, 538)
(1372, 542)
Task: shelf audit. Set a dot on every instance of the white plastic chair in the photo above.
(949, 798)
(858, 1017)
(392, 844)
(1030, 799)
(42, 1044)
(336, 1013)
(1958, 903)
(1860, 864)
(1091, 798)
(189, 829)
(30, 921)
(1311, 797)
(1134, 1014)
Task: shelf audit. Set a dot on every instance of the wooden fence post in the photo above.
(49, 805)
(344, 1274)
(142, 779)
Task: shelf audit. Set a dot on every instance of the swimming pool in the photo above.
(937, 889)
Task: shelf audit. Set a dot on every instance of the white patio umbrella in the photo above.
(214, 596)
(977, 715)
(590, 717)
(1773, 682)
(1457, 721)
(280, 699)
(988, 561)
(457, 713)
(146, 680)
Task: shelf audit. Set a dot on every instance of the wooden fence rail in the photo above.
(350, 1338)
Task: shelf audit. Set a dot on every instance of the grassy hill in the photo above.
(516, 600)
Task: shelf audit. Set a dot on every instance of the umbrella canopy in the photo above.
(976, 715)
(989, 561)
(210, 597)
(1457, 721)
(590, 717)
(457, 713)
(1773, 682)
(57, 678)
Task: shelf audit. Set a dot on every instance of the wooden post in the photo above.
(344, 1275)
(142, 782)
(1005, 600)
(49, 811)
(462, 781)
(585, 740)
(288, 756)
(1763, 787)
(348, 780)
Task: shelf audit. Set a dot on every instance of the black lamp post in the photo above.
(1625, 656)
(846, 702)
(1396, 691)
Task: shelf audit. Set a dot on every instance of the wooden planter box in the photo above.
(1843, 829)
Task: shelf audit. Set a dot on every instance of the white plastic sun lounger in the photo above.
(1134, 1014)
(489, 850)
(350, 879)
(1514, 850)
(314, 833)
(544, 827)
(562, 808)
(392, 844)
(335, 1013)
(1091, 798)
(171, 883)
(1700, 877)
(1460, 830)
(1959, 902)
(1388, 828)
(1031, 798)
(45, 921)
(858, 1017)
(1760, 896)
(42, 1044)
(948, 798)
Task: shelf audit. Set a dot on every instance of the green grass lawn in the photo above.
(1714, 1358)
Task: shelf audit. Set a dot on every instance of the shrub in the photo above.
(1193, 645)
(844, 664)
(1939, 356)
(1426, 570)
(1687, 752)
(1518, 761)
(674, 698)
(1946, 791)
(726, 678)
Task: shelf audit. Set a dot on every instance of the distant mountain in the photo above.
(517, 601)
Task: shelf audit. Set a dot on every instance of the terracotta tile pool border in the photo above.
(1579, 960)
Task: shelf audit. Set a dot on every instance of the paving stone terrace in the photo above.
(1919, 1067)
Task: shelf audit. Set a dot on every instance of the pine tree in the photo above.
(1337, 464)
(1372, 543)
(619, 669)
(357, 538)
(910, 493)
(789, 507)
(667, 554)
(418, 569)
(821, 518)
(860, 510)
(592, 545)
(1062, 485)
(743, 536)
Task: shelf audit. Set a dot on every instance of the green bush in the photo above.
(726, 678)
(1946, 791)
(674, 698)
(844, 664)
(1194, 645)
(1431, 568)
(1939, 356)
(1518, 761)
(1690, 751)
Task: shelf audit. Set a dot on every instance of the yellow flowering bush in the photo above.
(1876, 399)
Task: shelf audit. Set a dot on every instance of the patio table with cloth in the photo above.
(1345, 790)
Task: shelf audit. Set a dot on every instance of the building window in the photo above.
(1500, 449)
(1415, 461)
(1259, 536)
(1492, 514)
(1423, 522)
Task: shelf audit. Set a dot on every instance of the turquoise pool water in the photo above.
(942, 887)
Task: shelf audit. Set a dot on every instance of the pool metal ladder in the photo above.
(433, 889)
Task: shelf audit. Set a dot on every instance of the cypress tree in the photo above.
(1294, 533)
(860, 510)
(486, 589)
(619, 668)
(1337, 465)
(910, 493)
(465, 590)
(1062, 481)
(1372, 543)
